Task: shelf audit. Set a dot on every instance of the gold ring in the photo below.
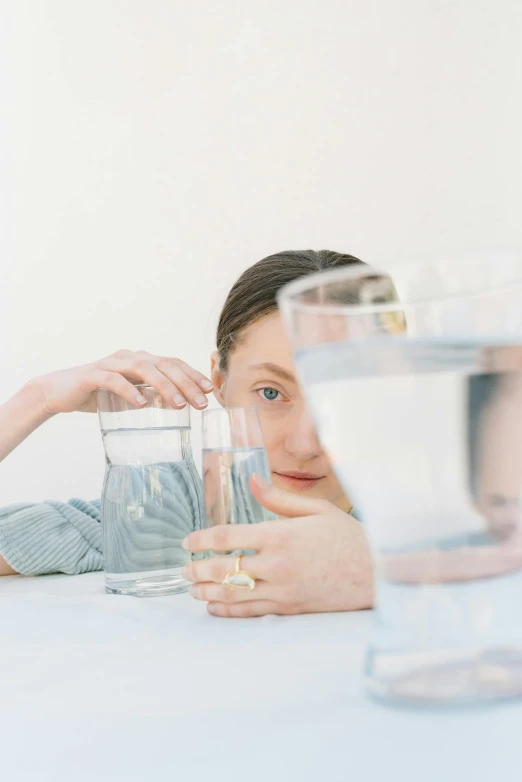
(239, 579)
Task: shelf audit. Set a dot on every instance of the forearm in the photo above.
(51, 537)
(20, 416)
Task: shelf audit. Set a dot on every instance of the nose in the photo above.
(302, 441)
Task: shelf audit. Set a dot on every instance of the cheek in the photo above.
(273, 434)
(334, 493)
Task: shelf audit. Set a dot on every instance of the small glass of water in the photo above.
(152, 494)
(233, 450)
(414, 378)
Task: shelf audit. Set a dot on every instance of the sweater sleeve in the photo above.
(52, 537)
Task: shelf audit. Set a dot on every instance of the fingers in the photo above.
(113, 381)
(216, 593)
(185, 382)
(283, 502)
(216, 568)
(249, 608)
(203, 382)
(228, 537)
(173, 379)
(153, 377)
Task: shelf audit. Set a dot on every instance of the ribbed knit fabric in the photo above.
(66, 537)
(52, 537)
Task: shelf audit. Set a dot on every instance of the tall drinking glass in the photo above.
(152, 494)
(418, 403)
(233, 449)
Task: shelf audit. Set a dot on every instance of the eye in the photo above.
(270, 394)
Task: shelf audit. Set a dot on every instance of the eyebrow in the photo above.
(275, 369)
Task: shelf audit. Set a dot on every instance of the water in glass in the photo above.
(152, 496)
(228, 497)
(435, 465)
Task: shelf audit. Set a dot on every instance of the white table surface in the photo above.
(103, 687)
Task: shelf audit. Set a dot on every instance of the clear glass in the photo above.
(152, 494)
(414, 379)
(233, 449)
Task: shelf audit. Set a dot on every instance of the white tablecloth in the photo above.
(99, 687)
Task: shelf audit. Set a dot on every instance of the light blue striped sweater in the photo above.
(66, 537)
(52, 537)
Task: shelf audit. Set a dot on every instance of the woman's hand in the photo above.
(315, 559)
(74, 389)
(70, 390)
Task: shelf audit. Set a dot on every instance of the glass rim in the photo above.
(287, 297)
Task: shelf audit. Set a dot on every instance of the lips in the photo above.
(299, 480)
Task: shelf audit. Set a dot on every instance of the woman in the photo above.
(318, 561)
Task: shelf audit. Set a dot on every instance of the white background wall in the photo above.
(150, 150)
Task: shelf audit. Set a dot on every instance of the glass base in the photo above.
(154, 583)
(446, 677)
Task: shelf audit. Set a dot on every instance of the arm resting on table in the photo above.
(51, 537)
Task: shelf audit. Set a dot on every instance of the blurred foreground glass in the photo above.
(419, 406)
(152, 494)
(233, 449)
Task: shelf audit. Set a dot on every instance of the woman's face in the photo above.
(261, 372)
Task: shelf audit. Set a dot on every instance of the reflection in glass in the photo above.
(423, 424)
(233, 450)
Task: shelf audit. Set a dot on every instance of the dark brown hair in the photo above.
(254, 294)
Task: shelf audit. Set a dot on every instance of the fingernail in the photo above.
(201, 400)
(193, 591)
(140, 398)
(184, 573)
(211, 608)
(179, 400)
(261, 482)
(185, 544)
(207, 385)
